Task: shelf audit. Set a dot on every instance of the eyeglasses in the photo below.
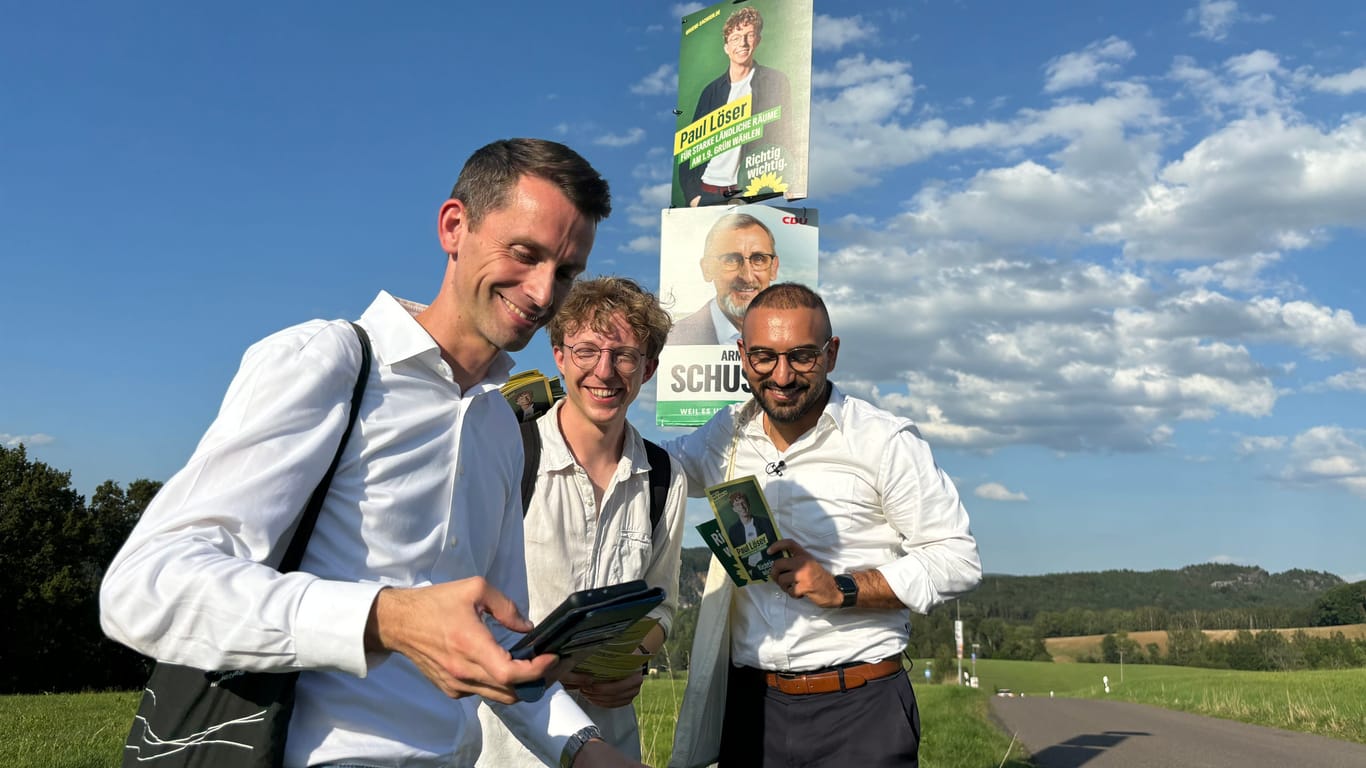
(740, 37)
(799, 359)
(731, 262)
(586, 356)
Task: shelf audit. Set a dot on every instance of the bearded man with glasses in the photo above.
(740, 259)
(809, 664)
(589, 521)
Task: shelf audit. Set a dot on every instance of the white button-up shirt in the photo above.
(573, 544)
(426, 492)
(859, 491)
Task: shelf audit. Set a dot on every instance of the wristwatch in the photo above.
(849, 588)
(576, 742)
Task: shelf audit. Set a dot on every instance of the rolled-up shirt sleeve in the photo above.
(940, 558)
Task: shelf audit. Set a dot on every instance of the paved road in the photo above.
(1077, 733)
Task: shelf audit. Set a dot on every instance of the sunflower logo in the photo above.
(767, 183)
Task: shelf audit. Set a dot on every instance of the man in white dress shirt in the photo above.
(589, 522)
(417, 553)
(805, 669)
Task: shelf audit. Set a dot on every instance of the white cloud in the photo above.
(858, 70)
(1242, 274)
(1202, 313)
(13, 441)
(1347, 381)
(643, 211)
(1264, 183)
(632, 136)
(1068, 355)
(679, 10)
(642, 244)
(998, 492)
(861, 130)
(1230, 559)
(1328, 455)
(1087, 66)
(1214, 17)
(1251, 444)
(1247, 84)
(1344, 84)
(829, 33)
(661, 81)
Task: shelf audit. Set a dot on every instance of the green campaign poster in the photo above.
(744, 103)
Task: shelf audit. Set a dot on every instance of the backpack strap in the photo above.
(660, 468)
(531, 461)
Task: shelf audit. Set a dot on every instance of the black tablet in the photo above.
(584, 620)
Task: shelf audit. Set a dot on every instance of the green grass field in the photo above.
(87, 730)
(70, 730)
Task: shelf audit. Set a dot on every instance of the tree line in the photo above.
(54, 548)
(1264, 651)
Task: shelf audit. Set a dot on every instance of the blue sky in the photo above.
(1107, 255)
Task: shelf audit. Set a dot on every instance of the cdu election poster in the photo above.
(744, 103)
(713, 261)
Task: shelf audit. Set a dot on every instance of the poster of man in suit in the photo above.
(744, 103)
(744, 515)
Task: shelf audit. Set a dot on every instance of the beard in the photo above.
(732, 309)
(808, 397)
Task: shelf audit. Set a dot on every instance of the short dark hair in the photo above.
(591, 304)
(494, 169)
(791, 296)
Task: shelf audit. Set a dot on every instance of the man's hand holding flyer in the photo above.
(743, 531)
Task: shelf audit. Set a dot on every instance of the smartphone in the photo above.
(584, 620)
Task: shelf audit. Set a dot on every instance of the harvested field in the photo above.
(1069, 649)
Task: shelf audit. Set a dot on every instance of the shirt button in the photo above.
(454, 541)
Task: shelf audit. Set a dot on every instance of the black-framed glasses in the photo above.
(799, 359)
(586, 356)
(731, 262)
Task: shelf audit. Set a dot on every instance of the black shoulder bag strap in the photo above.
(295, 554)
(659, 472)
(194, 718)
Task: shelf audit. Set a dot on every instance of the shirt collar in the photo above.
(399, 337)
(832, 416)
(557, 453)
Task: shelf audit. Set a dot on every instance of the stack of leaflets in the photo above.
(531, 393)
(743, 530)
(618, 658)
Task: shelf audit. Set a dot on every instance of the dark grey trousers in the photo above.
(869, 727)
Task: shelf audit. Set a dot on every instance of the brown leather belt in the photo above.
(715, 190)
(841, 679)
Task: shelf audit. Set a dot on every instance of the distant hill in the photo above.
(1207, 587)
